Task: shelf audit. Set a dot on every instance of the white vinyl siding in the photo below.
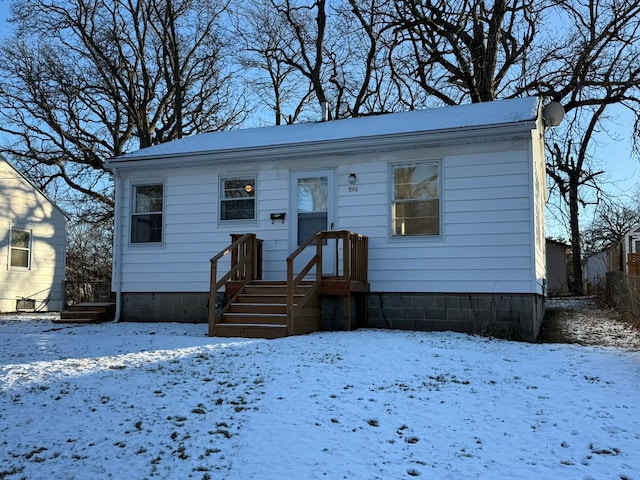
(193, 233)
(24, 208)
(485, 242)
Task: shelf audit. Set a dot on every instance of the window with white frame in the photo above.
(238, 198)
(20, 255)
(415, 207)
(147, 213)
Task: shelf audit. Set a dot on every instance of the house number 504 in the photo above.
(353, 189)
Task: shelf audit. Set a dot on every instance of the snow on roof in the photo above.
(499, 112)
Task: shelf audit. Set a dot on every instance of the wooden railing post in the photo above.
(346, 253)
(244, 268)
(319, 255)
(213, 294)
(290, 295)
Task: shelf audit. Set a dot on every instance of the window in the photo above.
(415, 204)
(312, 206)
(146, 214)
(20, 248)
(238, 199)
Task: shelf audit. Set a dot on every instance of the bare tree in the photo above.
(479, 51)
(611, 223)
(329, 54)
(85, 80)
(469, 50)
(596, 68)
(258, 28)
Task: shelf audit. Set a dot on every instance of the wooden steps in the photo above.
(260, 311)
(83, 313)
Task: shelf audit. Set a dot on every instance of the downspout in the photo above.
(116, 276)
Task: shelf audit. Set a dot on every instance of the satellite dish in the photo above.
(552, 114)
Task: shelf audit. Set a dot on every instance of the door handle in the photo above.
(331, 226)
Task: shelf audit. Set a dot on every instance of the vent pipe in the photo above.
(324, 110)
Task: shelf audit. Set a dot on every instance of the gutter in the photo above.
(116, 271)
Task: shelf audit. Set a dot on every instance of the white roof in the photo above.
(477, 115)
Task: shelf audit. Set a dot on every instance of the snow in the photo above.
(164, 401)
(433, 120)
(583, 320)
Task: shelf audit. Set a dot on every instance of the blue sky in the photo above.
(622, 175)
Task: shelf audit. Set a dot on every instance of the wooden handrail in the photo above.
(354, 266)
(245, 267)
(351, 252)
(294, 282)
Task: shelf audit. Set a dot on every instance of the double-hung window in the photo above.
(415, 207)
(20, 256)
(238, 198)
(146, 213)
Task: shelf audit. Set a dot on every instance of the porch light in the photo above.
(352, 179)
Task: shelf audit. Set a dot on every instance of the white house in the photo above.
(32, 245)
(621, 256)
(451, 200)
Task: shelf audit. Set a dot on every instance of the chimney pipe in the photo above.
(324, 110)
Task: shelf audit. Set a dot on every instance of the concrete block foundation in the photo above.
(511, 316)
(190, 307)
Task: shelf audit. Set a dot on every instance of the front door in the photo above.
(313, 198)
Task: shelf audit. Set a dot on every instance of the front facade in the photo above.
(451, 200)
(32, 246)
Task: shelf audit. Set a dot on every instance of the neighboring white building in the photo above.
(32, 246)
(595, 268)
(622, 256)
(452, 201)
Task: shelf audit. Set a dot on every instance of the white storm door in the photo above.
(313, 208)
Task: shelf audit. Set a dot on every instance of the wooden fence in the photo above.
(633, 262)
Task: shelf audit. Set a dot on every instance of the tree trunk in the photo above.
(576, 287)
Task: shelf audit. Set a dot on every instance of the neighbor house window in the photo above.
(415, 207)
(20, 248)
(146, 213)
(238, 198)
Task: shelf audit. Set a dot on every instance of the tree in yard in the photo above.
(466, 51)
(582, 54)
(88, 259)
(331, 52)
(593, 70)
(258, 29)
(611, 223)
(86, 80)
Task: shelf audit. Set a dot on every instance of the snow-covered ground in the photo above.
(137, 401)
(583, 320)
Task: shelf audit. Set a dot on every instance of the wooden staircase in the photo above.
(246, 306)
(259, 310)
(88, 313)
